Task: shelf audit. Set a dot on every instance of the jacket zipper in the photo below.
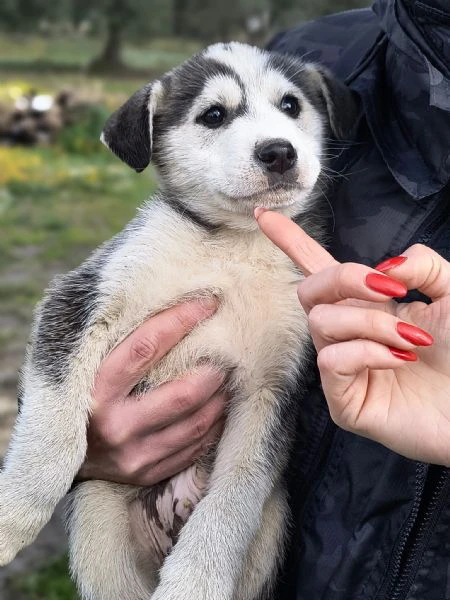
(405, 561)
(414, 536)
(396, 562)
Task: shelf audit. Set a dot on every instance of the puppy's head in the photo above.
(233, 128)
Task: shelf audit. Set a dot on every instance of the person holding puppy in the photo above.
(369, 479)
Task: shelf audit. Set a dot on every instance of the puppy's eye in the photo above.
(213, 117)
(291, 106)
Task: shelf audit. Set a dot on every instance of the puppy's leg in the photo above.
(46, 451)
(103, 556)
(266, 551)
(207, 559)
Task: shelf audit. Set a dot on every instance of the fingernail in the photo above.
(209, 303)
(259, 210)
(413, 334)
(403, 354)
(386, 285)
(390, 263)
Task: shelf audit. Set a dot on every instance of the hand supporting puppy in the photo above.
(382, 375)
(143, 440)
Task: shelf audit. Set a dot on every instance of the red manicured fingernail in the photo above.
(259, 210)
(390, 263)
(413, 334)
(386, 285)
(403, 354)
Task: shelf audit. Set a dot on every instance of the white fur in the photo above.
(218, 168)
(230, 546)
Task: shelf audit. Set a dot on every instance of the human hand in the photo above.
(143, 440)
(382, 379)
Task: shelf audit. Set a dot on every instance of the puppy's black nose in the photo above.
(277, 156)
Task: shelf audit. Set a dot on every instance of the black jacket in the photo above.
(370, 524)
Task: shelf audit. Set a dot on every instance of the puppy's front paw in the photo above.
(190, 590)
(12, 540)
(7, 555)
(19, 525)
(166, 593)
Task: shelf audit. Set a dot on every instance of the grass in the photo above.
(57, 204)
(72, 53)
(48, 65)
(52, 216)
(55, 208)
(48, 583)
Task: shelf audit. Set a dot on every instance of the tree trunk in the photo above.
(110, 59)
(178, 14)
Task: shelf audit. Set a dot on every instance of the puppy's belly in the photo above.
(158, 513)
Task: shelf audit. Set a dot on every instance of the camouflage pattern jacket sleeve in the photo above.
(370, 524)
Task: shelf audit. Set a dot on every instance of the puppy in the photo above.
(231, 129)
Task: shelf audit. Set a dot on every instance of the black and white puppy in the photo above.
(231, 129)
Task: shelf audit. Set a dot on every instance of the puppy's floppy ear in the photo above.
(342, 105)
(128, 131)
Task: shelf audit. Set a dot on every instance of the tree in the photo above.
(214, 20)
(120, 19)
(22, 15)
(178, 15)
(207, 20)
(117, 15)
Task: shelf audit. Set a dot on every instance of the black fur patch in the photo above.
(342, 105)
(241, 109)
(184, 85)
(332, 98)
(290, 67)
(66, 312)
(64, 316)
(181, 209)
(294, 70)
(149, 497)
(127, 131)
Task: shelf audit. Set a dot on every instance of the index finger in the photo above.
(144, 347)
(293, 241)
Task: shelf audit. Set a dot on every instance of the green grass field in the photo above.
(54, 209)
(58, 203)
(72, 53)
(50, 582)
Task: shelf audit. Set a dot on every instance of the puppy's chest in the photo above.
(255, 291)
(259, 323)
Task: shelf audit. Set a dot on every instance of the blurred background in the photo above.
(63, 68)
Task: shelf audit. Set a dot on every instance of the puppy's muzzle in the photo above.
(276, 156)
